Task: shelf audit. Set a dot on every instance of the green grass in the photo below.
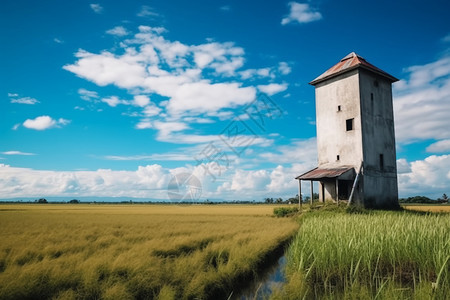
(369, 255)
(134, 251)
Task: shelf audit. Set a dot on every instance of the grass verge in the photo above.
(369, 255)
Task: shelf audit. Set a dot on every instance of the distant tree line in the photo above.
(423, 199)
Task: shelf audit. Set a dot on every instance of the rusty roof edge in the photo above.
(335, 172)
(319, 79)
(362, 66)
(306, 173)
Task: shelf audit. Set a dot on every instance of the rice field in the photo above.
(369, 255)
(428, 208)
(135, 251)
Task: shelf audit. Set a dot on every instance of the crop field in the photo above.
(430, 208)
(83, 251)
(369, 255)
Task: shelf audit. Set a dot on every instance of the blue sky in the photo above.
(116, 98)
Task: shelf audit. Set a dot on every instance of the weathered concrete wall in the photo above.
(332, 137)
(380, 169)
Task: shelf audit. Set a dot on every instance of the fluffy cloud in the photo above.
(97, 8)
(146, 181)
(113, 101)
(301, 13)
(284, 68)
(421, 103)
(192, 82)
(273, 88)
(430, 176)
(44, 122)
(174, 70)
(118, 31)
(440, 146)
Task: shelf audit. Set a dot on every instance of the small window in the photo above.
(349, 124)
(339, 108)
(371, 96)
(337, 157)
(381, 162)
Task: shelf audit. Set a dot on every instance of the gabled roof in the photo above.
(319, 173)
(348, 63)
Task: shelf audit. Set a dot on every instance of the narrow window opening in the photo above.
(337, 157)
(371, 96)
(381, 162)
(349, 124)
(339, 108)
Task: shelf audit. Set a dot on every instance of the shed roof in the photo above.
(350, 62)
(319, 173)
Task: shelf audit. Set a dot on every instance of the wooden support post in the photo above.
(323, 191)
(312, 193)
(337, 191)
(300, 194)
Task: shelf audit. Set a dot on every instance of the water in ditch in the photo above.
(264, 284)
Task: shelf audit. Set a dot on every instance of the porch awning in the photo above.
(320, 173)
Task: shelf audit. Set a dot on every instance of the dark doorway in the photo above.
(345, 188)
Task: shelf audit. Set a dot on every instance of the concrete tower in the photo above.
(355, 133)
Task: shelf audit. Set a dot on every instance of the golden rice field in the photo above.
(430, 208)
(86, 251)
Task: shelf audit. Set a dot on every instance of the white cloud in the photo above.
(202, 97)
(16, 126)
(14, 152)
(105, 68)
(141, 68)
(113, 101)
(225, 8)
(430, 177)
(147, 181)
(144, 124)
(147, 11)
(151, 110)
(97, 8)
(301, 13)
(403, 166)
(58, 41)
(141, 100)
(284, 68)
(439, 146)
(87, 95)
(256, 73)
(421, 103)
(118, 31)
(13, 95)
(25, 100)
(44, 122)
(273, 88)
(191, 82)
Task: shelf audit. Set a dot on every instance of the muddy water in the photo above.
(264, 284)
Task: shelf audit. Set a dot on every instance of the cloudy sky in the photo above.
(115, 98)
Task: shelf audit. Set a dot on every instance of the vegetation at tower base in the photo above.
(369, 254)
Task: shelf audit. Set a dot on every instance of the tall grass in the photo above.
(133, 252)
(383, 255)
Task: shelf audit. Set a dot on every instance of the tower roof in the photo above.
(350, 62)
